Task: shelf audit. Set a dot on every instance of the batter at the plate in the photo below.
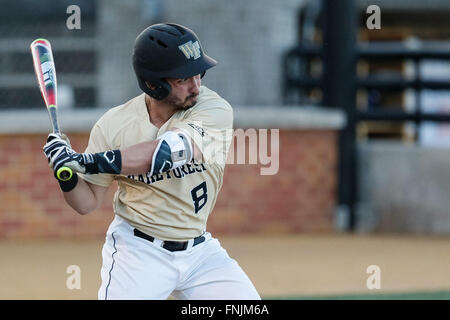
(167, 149)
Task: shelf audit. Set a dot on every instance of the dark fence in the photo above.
(338, 81)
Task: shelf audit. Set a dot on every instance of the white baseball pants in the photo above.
(135, 268)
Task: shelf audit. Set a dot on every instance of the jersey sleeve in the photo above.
(211, 129)
(98, 143)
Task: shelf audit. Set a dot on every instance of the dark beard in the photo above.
(171, 100)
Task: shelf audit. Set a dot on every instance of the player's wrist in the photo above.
(70, 184)
(103, 162)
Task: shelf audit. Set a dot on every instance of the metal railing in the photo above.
(296, 80)
(369, 52)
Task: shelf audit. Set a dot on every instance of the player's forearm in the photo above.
(137, 159)
(171, 150)
(82, 198)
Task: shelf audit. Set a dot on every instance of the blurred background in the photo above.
(360, 93)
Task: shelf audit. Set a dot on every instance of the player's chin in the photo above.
(190, 103)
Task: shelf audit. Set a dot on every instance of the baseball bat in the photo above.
(44, 67)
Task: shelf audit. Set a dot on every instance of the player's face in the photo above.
(184, 92)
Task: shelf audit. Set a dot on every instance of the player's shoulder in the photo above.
(117, 120)
(209, 99)
(211, 110)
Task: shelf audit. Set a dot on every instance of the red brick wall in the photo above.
(300, 197)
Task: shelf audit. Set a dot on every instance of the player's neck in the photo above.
(159, 112)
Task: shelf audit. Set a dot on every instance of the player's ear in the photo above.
(171, 81)
(150, 86)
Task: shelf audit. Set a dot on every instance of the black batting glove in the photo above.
(59, 153)
(53, 147)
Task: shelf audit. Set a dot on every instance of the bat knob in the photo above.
(64, 173)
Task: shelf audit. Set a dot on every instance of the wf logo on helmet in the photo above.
(191, 49)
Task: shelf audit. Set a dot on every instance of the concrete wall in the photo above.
(404, 188)
(247, 38)
(119, 23)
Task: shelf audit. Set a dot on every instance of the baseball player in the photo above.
(166, 148)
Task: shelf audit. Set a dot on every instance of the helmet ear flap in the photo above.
(157, 90)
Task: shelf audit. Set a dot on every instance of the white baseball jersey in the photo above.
(173, 205)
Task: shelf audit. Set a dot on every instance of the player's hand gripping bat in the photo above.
(44, 67)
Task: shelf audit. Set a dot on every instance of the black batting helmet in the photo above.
(167, 50)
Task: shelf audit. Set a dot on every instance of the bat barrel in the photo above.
(44, 67)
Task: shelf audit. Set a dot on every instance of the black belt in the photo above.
(170, 245)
